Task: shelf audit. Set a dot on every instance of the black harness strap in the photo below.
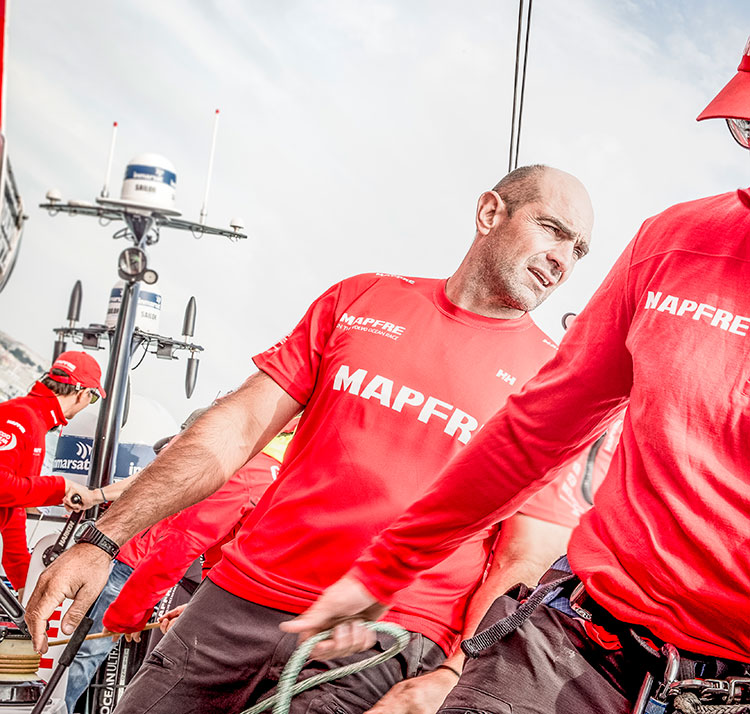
(493, 634)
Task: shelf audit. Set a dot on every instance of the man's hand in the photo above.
(168, 619)
(418, 695)
(89, 498)
(343, 607)
(80, 574)
(129, 636)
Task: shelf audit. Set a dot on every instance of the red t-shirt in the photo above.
(396, 379)
(666, 544)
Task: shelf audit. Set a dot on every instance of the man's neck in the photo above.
(467, 292)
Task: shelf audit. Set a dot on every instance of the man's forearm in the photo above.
(203, 458)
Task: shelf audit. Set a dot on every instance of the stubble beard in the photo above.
(507, 287)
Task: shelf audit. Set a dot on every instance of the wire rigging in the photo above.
(522, 38)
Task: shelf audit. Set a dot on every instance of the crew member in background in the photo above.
(663, 557)
(72, 383)
(396, 375)
(148, 565)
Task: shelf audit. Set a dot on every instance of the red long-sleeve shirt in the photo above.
(24, 423)
(666, 542)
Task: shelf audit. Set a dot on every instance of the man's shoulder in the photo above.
(382, 284)
(19, 412)
(366, 280)
(706, 210)
(18, 423)
(694, 226)
(546, 345)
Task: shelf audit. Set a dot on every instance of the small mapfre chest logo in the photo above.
(370, 324)
(7, 441)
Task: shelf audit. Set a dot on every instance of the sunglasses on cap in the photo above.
(740, 130)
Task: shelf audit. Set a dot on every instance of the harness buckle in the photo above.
(736, 685)
(579, 591)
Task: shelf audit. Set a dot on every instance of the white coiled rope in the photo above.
(287, 688)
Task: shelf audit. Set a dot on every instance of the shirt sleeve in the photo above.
(18, 487)
(16, 555)
(177, 542)
(559, 411)
(293, 363)
(560, 501)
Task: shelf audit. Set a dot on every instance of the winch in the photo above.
(20, 685)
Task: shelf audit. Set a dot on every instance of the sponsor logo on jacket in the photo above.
(458, 424)
(18, 426)
(699, 311)
(7, 441)
(505, 376)
(371, 324)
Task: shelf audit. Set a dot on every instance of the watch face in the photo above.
(132, 262)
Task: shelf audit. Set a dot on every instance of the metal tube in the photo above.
(13, 609)
(105, 188)
(107, 437)
(204, 209)
(643, 694)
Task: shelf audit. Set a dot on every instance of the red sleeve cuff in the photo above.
(266, 365)
(116, 621)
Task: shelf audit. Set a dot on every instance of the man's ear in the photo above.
(490, 210)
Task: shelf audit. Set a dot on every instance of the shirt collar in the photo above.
(49, 406)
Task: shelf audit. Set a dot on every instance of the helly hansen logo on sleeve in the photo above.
(700, 311)
(404, 399)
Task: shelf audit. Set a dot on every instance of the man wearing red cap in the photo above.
(655, 613)
(72, 383)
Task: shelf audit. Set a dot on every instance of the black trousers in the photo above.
(547, 666)
(226, 653)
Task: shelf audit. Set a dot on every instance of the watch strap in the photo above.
(91, 534)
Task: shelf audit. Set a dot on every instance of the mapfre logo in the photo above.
(18, 426)
(370, 324)
(400, 398)
(687, 309)
(67, 365)
(7, 441)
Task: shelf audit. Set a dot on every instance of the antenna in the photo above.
(74, 306)
(105, 188)
(188, 329)
(146, 206)
(204, 209)
(188, 323)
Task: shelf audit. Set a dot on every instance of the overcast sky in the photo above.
(354, 137)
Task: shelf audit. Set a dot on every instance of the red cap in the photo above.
(732, 102)
(80, 369)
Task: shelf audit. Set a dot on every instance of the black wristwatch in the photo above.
(91, 534)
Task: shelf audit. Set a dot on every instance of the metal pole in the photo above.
(107, 437)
